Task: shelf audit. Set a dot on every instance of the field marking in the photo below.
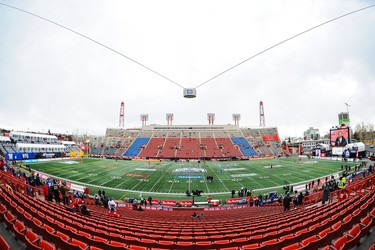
(218, 177)
(164, 172)
(172, 184)
(208, 190)
(315, 169)
(123, 196)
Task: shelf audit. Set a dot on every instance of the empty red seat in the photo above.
(19, 230)
(9, 219)
(31, 239)
(147, 242)
(365, 225)
(3, 244)
(310, 242)
(3, 210)
(44, 245)
(222, 243)
(184, 244)
(252, 246)
(294, 246)
(354, 238)
(75, 244)
(340, 243)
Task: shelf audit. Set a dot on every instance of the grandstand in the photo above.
(21, 146)
(190, 142)
(344, 223)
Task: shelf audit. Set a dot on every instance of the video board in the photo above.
(339, 137)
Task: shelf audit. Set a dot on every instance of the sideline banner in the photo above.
(19, 156)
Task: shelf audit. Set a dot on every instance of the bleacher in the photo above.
(341, 224)
(169, 148)
(211, 148)
(190, 148)
(193, 142)
(136, 147)
(244, 145)
(152, 148)
(228, 148)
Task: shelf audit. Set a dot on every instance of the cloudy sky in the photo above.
(51, 78)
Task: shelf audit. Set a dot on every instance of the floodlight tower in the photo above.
(236, 119)
(144, 119)
(121, 120)
(262, 122)
(169, 117)
(211, 118)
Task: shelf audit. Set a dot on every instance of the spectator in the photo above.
(194, 215)
(111, 204)
(326, 191)
(65, 193)
(85, 211)
(286, 202)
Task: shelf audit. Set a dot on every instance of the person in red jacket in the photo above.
(46, 191)
(76, 204)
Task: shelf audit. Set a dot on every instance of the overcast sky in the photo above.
(51, 78)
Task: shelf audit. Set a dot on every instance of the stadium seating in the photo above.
(48, 225)
(244, 145)
(136, 147)
(228, 147)
(3, 244)
(169, 149)
(190, 148)
(152, 148)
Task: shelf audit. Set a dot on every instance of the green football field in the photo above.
(170, 180)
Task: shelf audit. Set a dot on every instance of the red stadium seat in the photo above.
(99, 241)
(294, 246)
(9, 220)
(19, 230)
(166, 244)
(60, 239)
(340, 243)
(252, 246)
(353, 234)
(365, 225)
(336, 230)
(38, 226)
(147, 242)
(3, 210)
(184, 245)
(222, 243)
(310, 242)
(3, 244)
(272, 243)
(130, 240)
(13, 207)
(44, 245)
(356, 215)
(32, 239)
(75, 244)
(116, 244)
(135, 247)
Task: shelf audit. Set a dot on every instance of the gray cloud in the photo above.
(53, 79)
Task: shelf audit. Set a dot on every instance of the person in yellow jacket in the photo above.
(340, 184)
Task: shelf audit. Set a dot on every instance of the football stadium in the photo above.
(184, 185)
